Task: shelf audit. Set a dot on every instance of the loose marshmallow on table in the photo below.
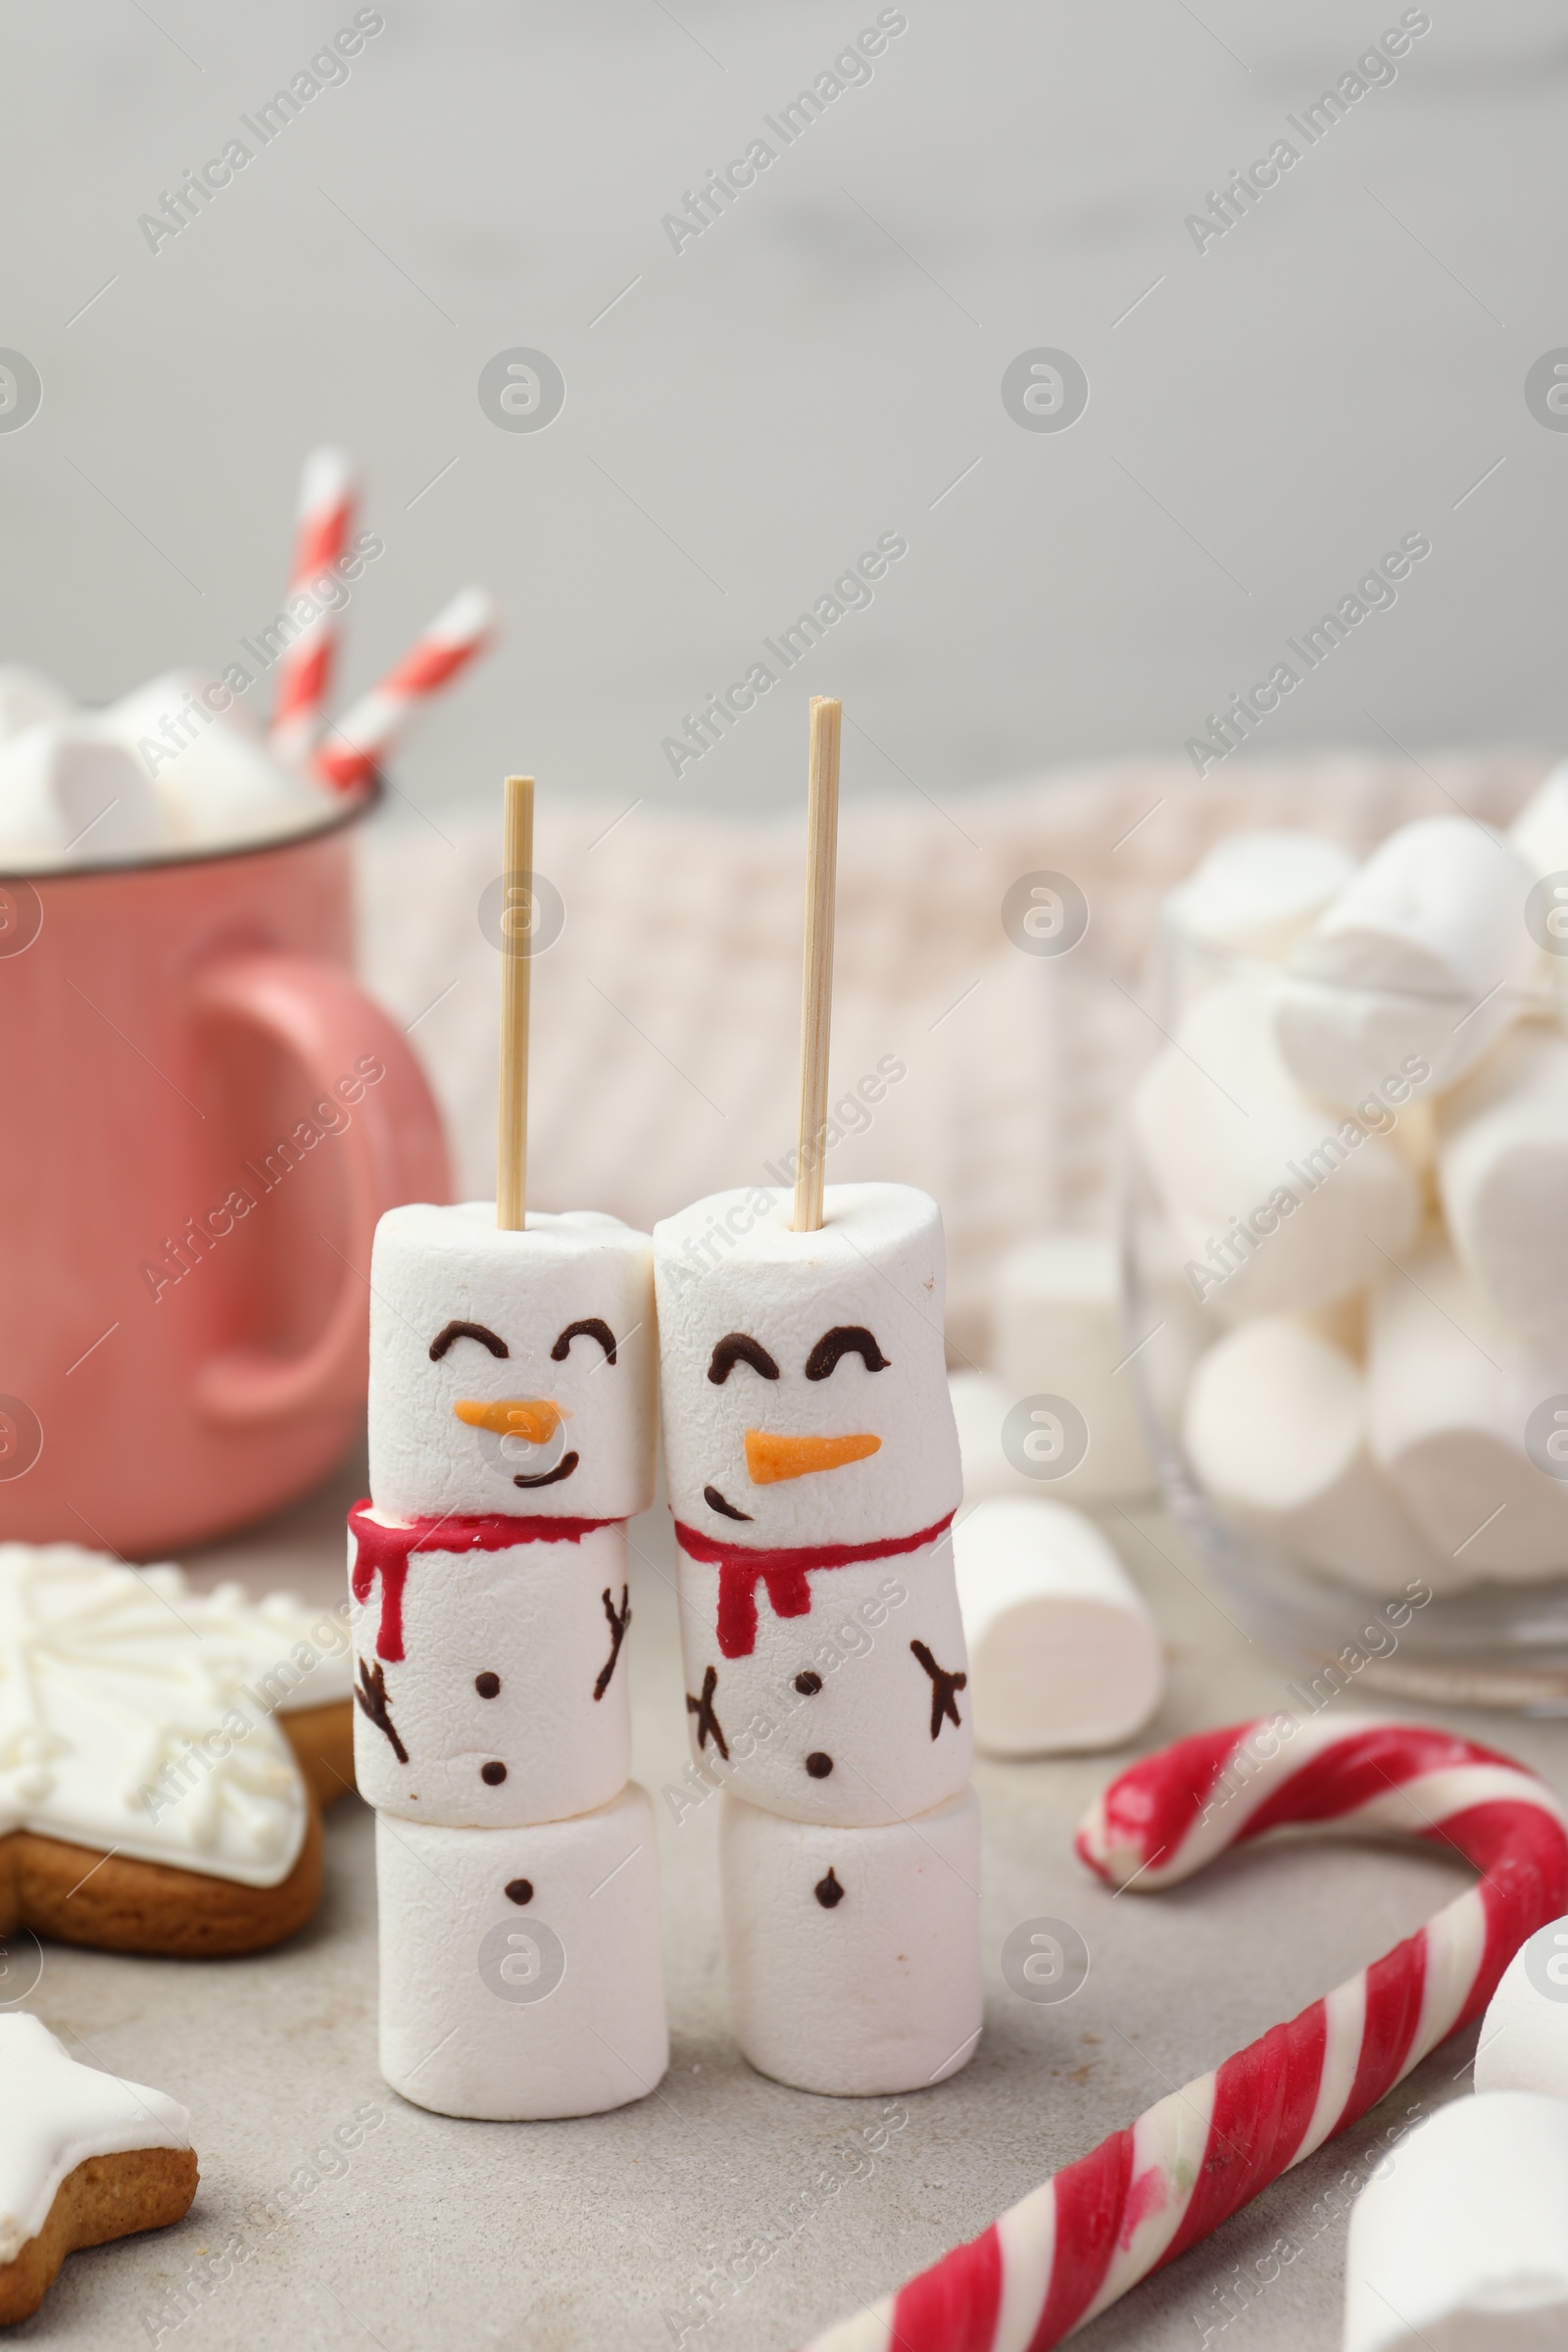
(1063, 1652)
(1523, 2044)
(1058, 1328)
(1502, 1168)
(853, 1955)
(1303, 1203)
(520, 1968)
(1418, 960)
(1451, 1392)
(1276, 1429)
(813, 1467)
(1459, 2242)
(1255, 893)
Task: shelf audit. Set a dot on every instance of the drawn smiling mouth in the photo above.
(547, 1478)
(716, 1502)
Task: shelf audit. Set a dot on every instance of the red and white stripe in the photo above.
(1151, 2192)
(305, 672)
(357, 745)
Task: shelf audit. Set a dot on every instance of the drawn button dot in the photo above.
(488, 1685)
(493, 1774)
(808, 1684)
(520, 1890)
(818, 1765)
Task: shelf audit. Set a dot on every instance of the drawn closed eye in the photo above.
(466, 1331)
(845, 1338)
(592, 1327)
(739, 1348)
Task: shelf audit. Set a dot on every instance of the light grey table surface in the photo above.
(436, 2233)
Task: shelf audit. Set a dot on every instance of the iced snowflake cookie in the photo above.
(164, 1755)
(84, 2157)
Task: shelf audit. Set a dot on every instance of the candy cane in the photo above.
(358, 743)
(326, 513)
(1151, 2192)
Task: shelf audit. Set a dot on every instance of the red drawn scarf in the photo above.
(784, 1571)
(384, 1551)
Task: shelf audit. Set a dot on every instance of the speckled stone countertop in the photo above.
(724, 2211)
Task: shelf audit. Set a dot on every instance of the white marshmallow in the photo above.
(1540, 831)
(1226, 1135)
(1058, 1329)
(835, 1716)
(1459, 2242)
(874, 1991)
(1419, 959)
(1255, 893)
(1523, 2044)
(547, 2001)
(1276, 1429)
(875, 1268)
(532, 1620)
(27, 698)
(218, 785)
(432, 1267)
(1502, 1168)
(981, 1404)
(1451, 1390)
(1063, 1652)
(68, 798)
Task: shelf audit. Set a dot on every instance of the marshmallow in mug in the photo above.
(1524, 2035)
(813, 1468)
(1503, 1170)
(1421, 953)
(853, 1955)
(1063, 1652)
(521, 1975)
(217, 783)
(1279, 1204)
(1256, 893)
(1460, 2241)
(1452, 1391)
(1276, 1429)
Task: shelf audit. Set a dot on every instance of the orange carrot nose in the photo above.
(769, 1458)
(536, 1418)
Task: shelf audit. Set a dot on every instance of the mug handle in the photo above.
(393, 1149)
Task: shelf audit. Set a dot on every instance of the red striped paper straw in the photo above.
(357, 745)
(305, 672)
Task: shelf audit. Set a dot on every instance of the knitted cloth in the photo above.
(667, 1015)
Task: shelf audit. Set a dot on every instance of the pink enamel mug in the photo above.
(205, 1117)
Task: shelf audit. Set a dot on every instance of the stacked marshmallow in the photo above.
(511, 1434)
(813, 1467)
(177, 766)
(1359, 1137)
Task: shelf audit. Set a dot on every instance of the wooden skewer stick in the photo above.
(518, 920)
(817, 1001)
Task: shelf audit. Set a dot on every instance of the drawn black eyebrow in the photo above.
(592, 1327)
(466, 1331)
(738, 1348)
(845, 1338)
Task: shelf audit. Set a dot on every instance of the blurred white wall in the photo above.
(819, 368)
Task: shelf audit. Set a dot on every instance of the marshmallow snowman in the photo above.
(813, 1471)
(510, 1436)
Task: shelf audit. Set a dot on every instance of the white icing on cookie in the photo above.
(138, 1717)
(55, 2113)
